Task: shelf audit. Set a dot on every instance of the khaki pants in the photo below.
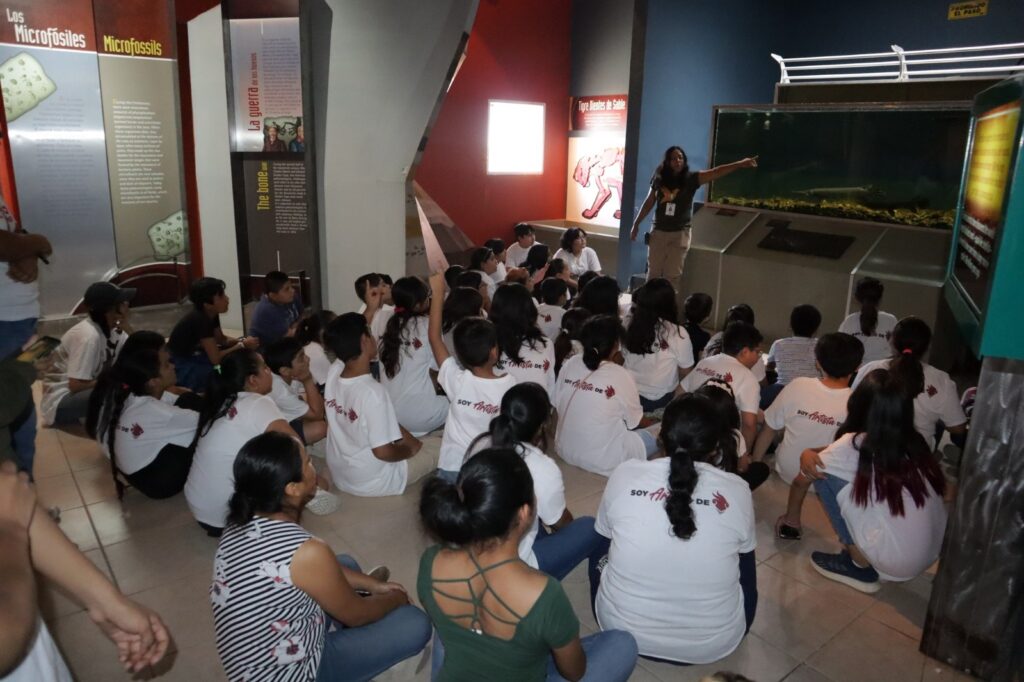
(665, 255)
(425, 461)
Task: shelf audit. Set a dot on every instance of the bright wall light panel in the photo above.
(515, 138)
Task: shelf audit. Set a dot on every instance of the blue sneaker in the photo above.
(840, 567)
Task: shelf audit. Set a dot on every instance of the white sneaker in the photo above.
(323, 503)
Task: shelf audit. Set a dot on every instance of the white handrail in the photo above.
(908, 68)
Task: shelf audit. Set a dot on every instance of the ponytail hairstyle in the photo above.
(263, 468)
(720, 395)
(481, 507)
(893, 455)
(409, 295)
(653, 303)
(572, 323)
(600, 296)
(600, 337)
(514, 315)
(868, 294)
(910, 339)
(690, 432)
(462, 302)
(130, 375)
(525, 409)
(536, 258)
(311, 327)
(225, 383)
(669, 179)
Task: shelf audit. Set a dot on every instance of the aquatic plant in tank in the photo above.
(887, 163)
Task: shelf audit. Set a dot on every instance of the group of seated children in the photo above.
(514, 370)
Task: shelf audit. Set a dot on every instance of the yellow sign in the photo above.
(968, 10)
(994, 137)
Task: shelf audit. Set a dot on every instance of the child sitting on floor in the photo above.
(295, 391)
(554, 293)
(793, 356)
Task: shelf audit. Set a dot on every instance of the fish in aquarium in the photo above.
(900, 215)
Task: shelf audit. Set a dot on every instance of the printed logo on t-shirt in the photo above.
(547, 318)
(609, 392)
(416, 343)
(481, 406)
(525, 364)
(818, 417)
(712, 374)
(717, 501)
(232, 412)
(931, 391)
(656, 496)
(348, 413)
(581, 385)
(135, 430)
(663, 344)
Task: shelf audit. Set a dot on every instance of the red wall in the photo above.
(518, 50)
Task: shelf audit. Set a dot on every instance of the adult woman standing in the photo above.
(672, 188)
(277, 589)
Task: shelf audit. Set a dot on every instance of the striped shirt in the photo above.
(794, 357)
(265, 627)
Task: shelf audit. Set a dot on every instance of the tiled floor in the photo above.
(807, 629)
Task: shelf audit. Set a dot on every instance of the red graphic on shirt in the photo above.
(727, 378)
(931, 390)
(547, 366)
(818, 417)
(547, 318)
(658, 495)
(232, 412)
(609, 392)
(352, 416)
(721, 504)
(486, 408)
(416, 343)
(136, 431)
(664, 344)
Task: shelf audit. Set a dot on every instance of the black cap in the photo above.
(105, 295)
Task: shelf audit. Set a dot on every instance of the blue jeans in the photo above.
(657, 403)
(450, 476)
(650, 441)
(559, 552)
(828, 488)
(364, 652)
(611, 657)
(769, 392)
(192, 371)
(13, 335)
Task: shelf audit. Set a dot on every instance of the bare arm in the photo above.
(763, 442)
(712, 174)
(79, 385)
(316, 571)
(436, 313)
(566, 519)
(570, 660)
(399, 450)
(17, 581)
(645, 208)
(15, 246)
(748, 427)
(316, 412)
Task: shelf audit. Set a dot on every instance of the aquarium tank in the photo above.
(884, 163)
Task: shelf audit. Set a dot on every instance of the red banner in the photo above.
(603, 112)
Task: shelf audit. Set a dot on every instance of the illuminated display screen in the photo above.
(988, 171)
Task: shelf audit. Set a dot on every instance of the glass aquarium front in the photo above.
(888, 165)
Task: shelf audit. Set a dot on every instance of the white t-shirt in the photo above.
(538, 364)
(287, 398)
(596, 412)
(489, 282)
(876, 346)
(714, 347)
(473, 403)
(211, 480)
(500, 273)
(586, 262)
(515, 255)
(43, 662)
(82, 354)
(899, 547)
(319, 363)
(794, 357)
(810, 412)
(380, 321)
(730, 370)
(549, 319)
(360, 417)
(146, 425)
(657, 373)
(418, 406)
(681, 599)
(938, 402)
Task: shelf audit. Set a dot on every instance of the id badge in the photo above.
(670, 210)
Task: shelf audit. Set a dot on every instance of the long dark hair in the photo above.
(569, 331)
(690, 432)
(600, 296)
(720, 395)
(893, 455)
(265, 465)
(570, 236)
(653, 303)
(128, 376)
(462, 302)
(481, 506)
(910, 338)
(668, 178)
(536, 258)
(599, 336)
(223, 387)
(868, 294)
(525, 409)
(515, 318)
(408, 293)
(311, 327)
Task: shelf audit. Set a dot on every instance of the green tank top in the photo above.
(471, 654)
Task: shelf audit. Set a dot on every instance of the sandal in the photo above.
(786, 531)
